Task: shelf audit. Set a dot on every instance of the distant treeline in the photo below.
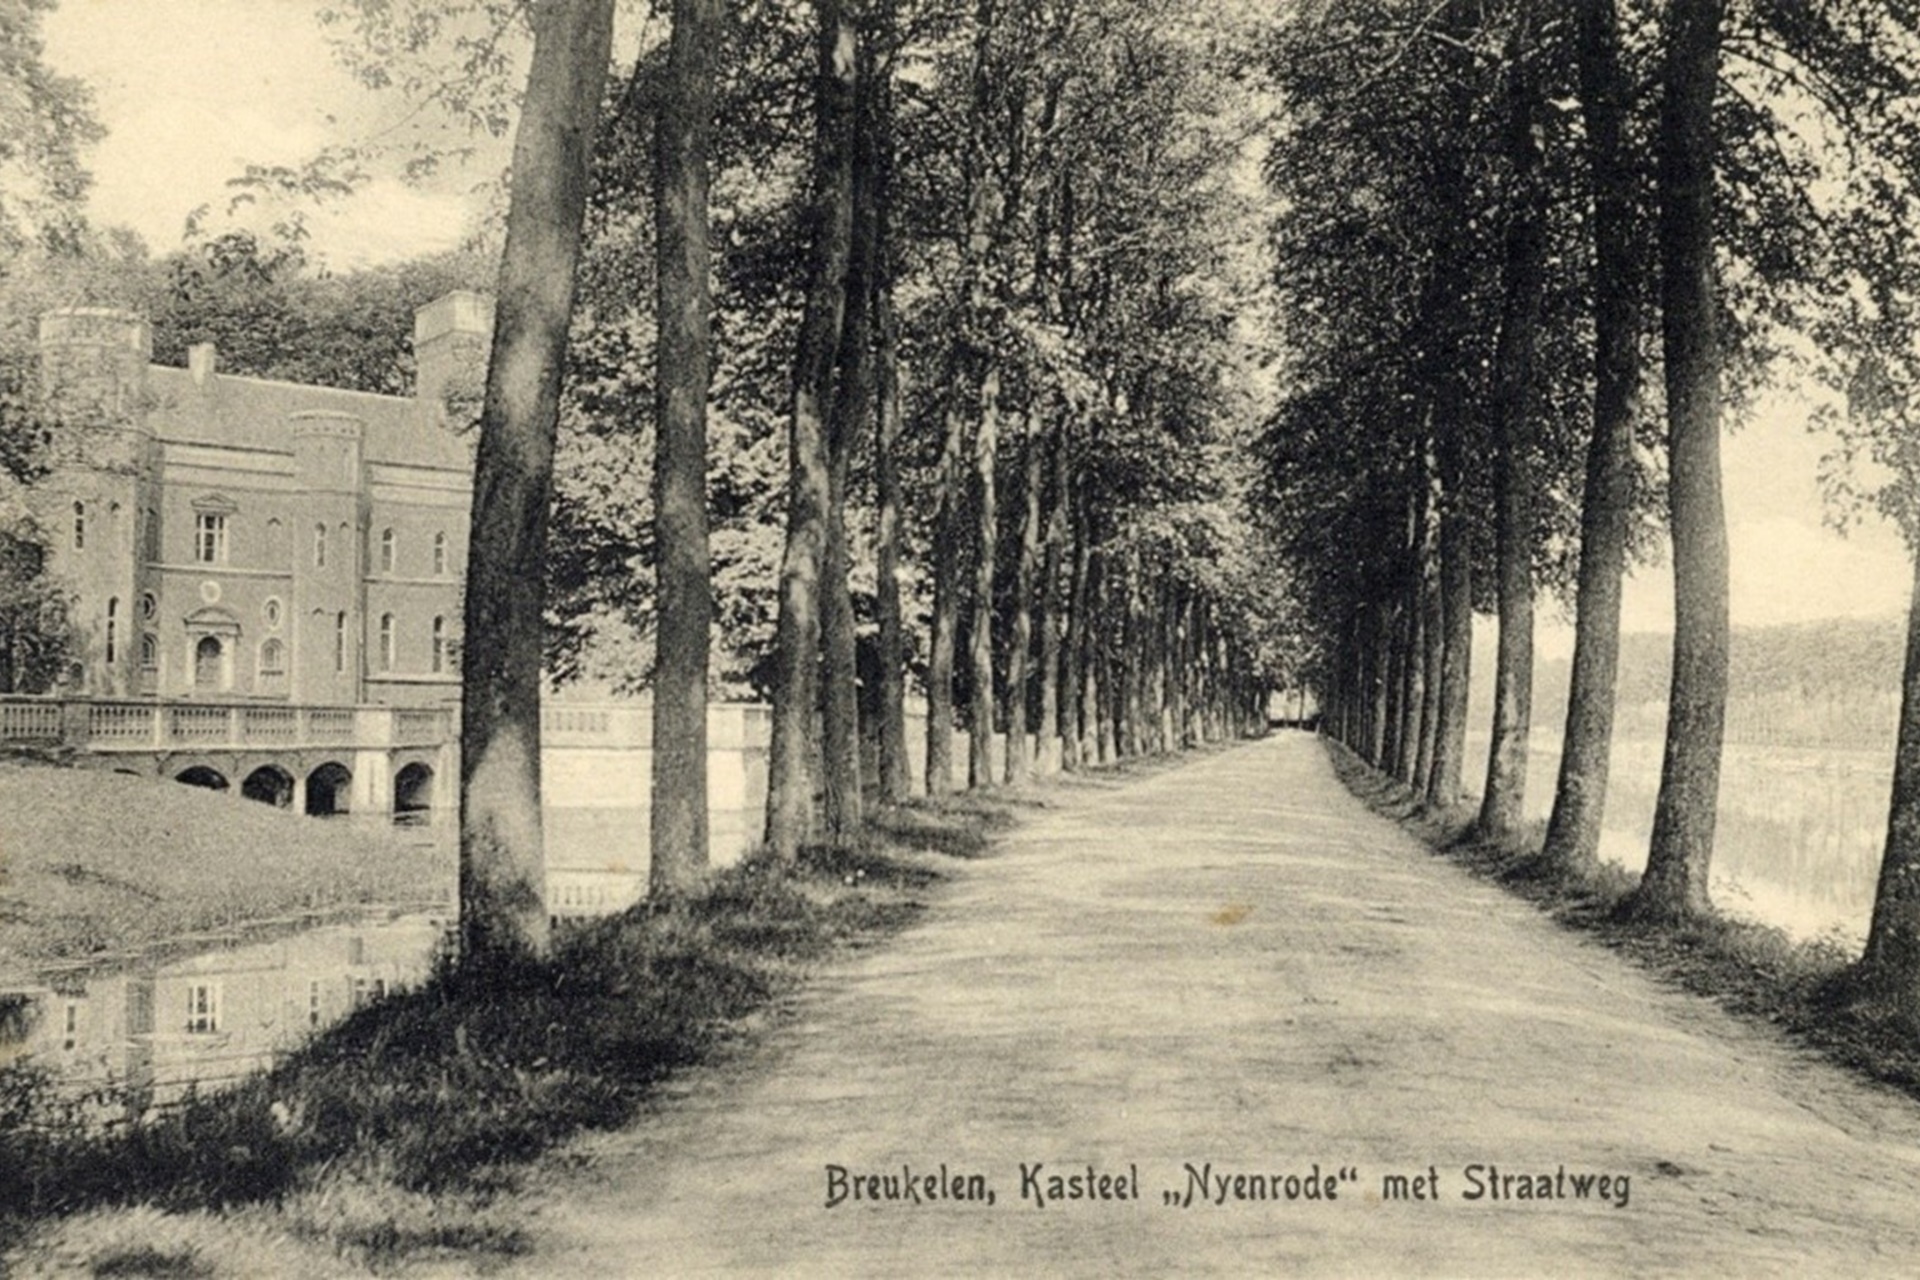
(1831, 683)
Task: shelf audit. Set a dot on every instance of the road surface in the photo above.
(1306, 1045)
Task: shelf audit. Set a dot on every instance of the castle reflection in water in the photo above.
(219, 1014)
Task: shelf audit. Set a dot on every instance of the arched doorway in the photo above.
(328, 790)
(413, 795)
(269, 784)
(201, 775)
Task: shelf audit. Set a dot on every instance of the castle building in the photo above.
(239, 539)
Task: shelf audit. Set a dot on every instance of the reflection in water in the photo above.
(215, 1016)
(1799, 836)
(229, 1010)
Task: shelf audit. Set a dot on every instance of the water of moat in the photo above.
(1798, 848)
(216, 1009)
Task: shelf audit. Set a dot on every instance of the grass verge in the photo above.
(1753, 970)
(104, 868)
(393, 1135)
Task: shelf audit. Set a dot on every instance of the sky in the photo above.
(191, 91)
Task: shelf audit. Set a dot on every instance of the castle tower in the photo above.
(329, 554)
(451, 338)
(98, 505)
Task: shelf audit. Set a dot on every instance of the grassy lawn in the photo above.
(97, 865)
(397, 1136)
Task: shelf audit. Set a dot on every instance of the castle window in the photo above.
(439, 645)
(339, 643)
(319, 546)
(113, 630)
(79, 526)
(276, 543)
(149, 652)
(388, 551)
(152, 534)
(210, 537)
(273, 658)
(203, 1008)
(270, 613)
(386, 642)
(149, 605)
(440, 555)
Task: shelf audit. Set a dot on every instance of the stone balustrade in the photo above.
(109, 725)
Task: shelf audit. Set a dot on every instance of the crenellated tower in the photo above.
(99, 505)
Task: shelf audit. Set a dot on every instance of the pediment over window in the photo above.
(213, 621)
(216, 504)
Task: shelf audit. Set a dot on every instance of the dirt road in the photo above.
(1231, 970)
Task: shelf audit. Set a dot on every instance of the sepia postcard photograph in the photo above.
(1005, 638)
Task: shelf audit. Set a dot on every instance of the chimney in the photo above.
(451, 336)
(202, 358)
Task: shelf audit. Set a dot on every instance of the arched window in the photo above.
(319, 546)
(152, 534)
(440, 555)
(113, 630)
(439, 645)
(339, 643)
(149, 652)
(273, 658)
(386, 642)
(388, 550)
(276, 542)
(79, 526)
(149, 606)
(209, 663)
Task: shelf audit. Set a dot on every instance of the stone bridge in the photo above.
(371, 761)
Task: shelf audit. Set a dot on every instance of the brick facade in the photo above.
(237, 538)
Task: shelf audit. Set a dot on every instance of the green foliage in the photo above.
(38, 638)
(46, 121)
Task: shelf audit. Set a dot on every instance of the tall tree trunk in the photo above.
(1433, 662)
(895, 770)
(1580, 796)
(946, 600)
(986, 453)
(682, 364)
(1456, 609)
(791, 758)
(1503, 803)
(1675, 883)
(1413, 684)
(1889, 970)
(895, 782)
(1394, 676)
(1053, 596)
(1026, 582)
(1379, 682)
(852, 407)
(502, 855)
(1073, 679)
